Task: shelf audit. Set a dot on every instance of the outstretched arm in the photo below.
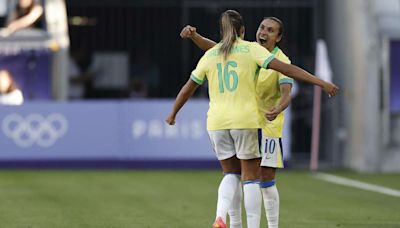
(297, 73)
(185, 93)
(284, 102)
(201, 42)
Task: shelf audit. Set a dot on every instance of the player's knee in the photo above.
(250, 175)
(267, 173)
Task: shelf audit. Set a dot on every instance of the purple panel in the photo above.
(92, 131)
(147, 136)
(30, 70)
(395, 76)
(36, 131)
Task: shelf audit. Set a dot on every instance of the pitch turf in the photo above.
(169, 199)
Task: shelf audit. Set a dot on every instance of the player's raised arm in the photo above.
(297, 73)
(189, 32)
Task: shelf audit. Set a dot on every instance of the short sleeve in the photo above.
(261, 55)
(283, 79)
(199, 74)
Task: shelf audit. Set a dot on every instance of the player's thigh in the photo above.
(247, 143)
(222, 143)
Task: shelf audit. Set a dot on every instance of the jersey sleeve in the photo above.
(261, 55)
(283, 79)
(198, 75)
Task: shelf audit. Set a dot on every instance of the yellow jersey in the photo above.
(269, 95)
(232, 84)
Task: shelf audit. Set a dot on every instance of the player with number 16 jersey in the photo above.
(232, 84)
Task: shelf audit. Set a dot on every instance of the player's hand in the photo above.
(170, 120)
(272, 113)
(5, 32)
(330, 88)
(188, 31)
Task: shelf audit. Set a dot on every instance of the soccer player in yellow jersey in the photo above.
(233, 118)
(274, 94)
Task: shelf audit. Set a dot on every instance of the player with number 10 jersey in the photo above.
(269, 95)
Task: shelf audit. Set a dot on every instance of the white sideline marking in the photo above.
(357, 184)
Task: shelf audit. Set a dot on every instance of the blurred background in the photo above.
(98, 77)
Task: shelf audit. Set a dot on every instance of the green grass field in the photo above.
(150, 199)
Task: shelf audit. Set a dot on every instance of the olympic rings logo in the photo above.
(35, 128)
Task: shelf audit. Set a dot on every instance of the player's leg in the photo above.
(270, 196)
(248, 151)
(225, 151)
(235, 210)
(231, 168)
(251, 191)
(272, 159)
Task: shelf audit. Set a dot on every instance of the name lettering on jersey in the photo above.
(242, 49)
